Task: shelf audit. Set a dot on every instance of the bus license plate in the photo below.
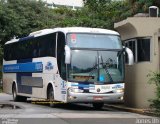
(97, 98)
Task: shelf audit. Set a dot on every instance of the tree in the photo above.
(142, 5)
(20, 17)
(107, 11)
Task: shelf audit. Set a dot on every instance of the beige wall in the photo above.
(138, 91)
(137, 26)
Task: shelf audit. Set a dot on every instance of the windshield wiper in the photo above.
(96, 67)
(91, 71)
(106, 69)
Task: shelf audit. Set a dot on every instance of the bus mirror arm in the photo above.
(67, 55)
(130, 56)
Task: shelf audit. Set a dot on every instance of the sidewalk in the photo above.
(122, 107)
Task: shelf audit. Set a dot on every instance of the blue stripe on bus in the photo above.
(24, 67)
(83, 85)
(26, 38)
(83, 82)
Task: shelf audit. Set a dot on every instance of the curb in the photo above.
(129, 109)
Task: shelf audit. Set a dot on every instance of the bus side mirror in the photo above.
(130, 56)
(67, 55)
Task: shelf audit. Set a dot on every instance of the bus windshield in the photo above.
(96, 66)
(94, 41)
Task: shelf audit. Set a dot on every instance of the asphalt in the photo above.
(66, 114)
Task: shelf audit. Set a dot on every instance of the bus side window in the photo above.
(51, 44)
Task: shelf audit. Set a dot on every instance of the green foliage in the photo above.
(1, 56)
(20, 17)
(154, 78)
(1, 90)
(138, 6)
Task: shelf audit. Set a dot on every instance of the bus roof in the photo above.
(66, 30)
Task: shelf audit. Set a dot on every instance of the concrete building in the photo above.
(74, 4)
(142, 36)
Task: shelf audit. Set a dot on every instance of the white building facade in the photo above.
(74, 4)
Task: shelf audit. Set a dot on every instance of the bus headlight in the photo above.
(119, 91)
(75, 90)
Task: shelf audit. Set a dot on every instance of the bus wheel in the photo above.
(51, 97)
(17, 98)
(98, 105)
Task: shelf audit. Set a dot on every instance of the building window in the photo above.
(143, 50)
(140, 48)
(132, 45)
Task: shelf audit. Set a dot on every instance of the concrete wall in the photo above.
(138, 91)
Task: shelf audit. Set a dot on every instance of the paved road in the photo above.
(66, 114)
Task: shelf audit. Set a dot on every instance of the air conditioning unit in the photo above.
(153, 11)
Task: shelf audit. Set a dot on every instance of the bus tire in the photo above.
(17, 98)
(98, 105)
(50, 97)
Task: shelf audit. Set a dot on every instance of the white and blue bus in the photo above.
(70, 65)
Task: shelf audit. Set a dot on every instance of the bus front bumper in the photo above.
(92, 97)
